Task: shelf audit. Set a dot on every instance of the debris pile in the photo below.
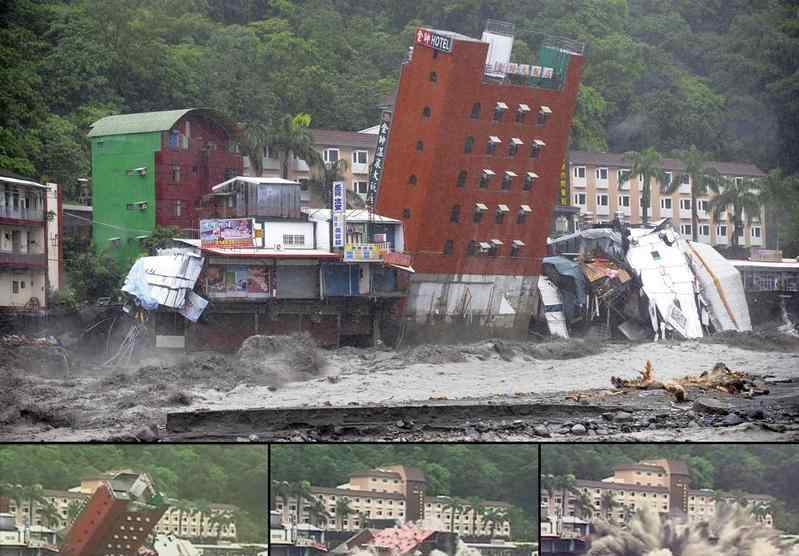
(639, 283)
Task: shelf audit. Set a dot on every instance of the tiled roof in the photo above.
(400, 540)
(334, 137)
(670, 164)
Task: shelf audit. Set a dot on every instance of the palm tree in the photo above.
(202, 508)
(50, 516)
(343, 509)
(183, 507)
(362, 519)
(301, 490)
(456, 506)
(584, 506)
(494, 517)
(13, 492)
(326, 174)
(292, 136)
(74, 509)
(648, 164)
(34, 494)
(221, 520)
(282, 490)
(318, 512)
(607, 502)
(477, 508)
(254, 144)
(549, 485)
(703, 178)
(742, 195)
(760, 510)
(780, 195)
(568, 485)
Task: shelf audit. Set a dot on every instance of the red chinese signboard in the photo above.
(433, 40)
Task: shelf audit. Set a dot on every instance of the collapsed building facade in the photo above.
(472, 169)
(639, 283)
(266, 265)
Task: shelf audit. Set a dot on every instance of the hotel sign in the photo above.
(376, 172)
(436, 41)
(339, 206)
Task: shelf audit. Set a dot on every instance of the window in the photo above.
(535, 148)
(499, 111)
(360, 187)
(529, 180)
(702, 205)
(468, 145)
(294, 240)
(479, 209)
(685, 179)
(721, 230)
(491, 146)
(756, 232)
(739, 181)
(624, 201)
(668, 177)
(420, 146)
(579, 172)
(433, 76)
(685, 204)
(580, 199)
(406, 213)
(426, 112)
(704, 230)
(623, 176)
(448, 247)
(455, 214)
(602, 200)
(686, 229)
(602, 174)
(500, 217)
(178, 208)
(360, 157)
(471, 248)
(175, 173)
(665, 203)
(513, 148)
(330, 155)
(476, 111)
(507, 180)
(412, 179)
(462, 178)
(485, 177)
(15, 287)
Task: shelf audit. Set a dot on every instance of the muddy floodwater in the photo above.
(132, 403)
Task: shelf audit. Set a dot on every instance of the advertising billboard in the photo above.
(248, 281)
(339, 207)
(227, 233)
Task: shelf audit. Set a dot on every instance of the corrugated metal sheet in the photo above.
(148, 122)
(168, 278)
(298, 282)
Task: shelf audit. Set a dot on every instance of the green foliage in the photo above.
(159, 237)
(193, 473)
(91, 275)
(506, 473)
(750, 468)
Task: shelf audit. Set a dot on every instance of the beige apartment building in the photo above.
(596, 189)
(23, 254)
(389, 493)
(660, 485)
(356, 147)
(170, 522)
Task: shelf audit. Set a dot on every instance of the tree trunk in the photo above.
(284, 165)
(646, 202)
(694, 218)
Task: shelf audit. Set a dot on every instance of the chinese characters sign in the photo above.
(522, 69)
(339, 206)
(227, 233)
(564, 186)
(433, 40)
(376, 172)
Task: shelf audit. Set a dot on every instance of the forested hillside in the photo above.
(720, 74)
(492, 472)
(221, 474)
(754, 468)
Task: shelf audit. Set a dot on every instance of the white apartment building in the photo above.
(356, 147)
(597, 190)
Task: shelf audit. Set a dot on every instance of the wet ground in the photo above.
(564, 386)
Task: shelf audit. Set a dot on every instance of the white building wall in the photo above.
(274, 233)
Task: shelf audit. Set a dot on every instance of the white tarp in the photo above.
(166, 280)
(721, 288)
(553, 307)
(659, 259)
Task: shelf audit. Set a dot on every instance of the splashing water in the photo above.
(731, 532)
(460, 550)
(788, 326)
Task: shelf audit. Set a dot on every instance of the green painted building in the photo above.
(152, 169)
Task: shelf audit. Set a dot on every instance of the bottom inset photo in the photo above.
(134, 500)
(404, 499)
(669, 500)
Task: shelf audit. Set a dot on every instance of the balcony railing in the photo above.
(23, 259)
(21, 213)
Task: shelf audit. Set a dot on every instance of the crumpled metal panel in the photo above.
(170, 277)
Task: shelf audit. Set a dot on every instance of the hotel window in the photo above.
(685, 204)
(406, 213)
(513, 147)
(360, 187)
(461, 179)
(686, 229)
(516, 247)
(668, 177)
(721, 230)
(468, 145)
(543, 115)
(602, 200)
(507, 180)
(485, 177)
(499, 110)
(175, 173)
(502, 210)
(579, 172)
(433, 76)
(624, 201)
(536, 148)
(412, 179)
(665, 203)
(178, 208)
(455, 214)
(529, 180)
(426, 112)
(685, 179)
(471, 248)
(330, 155)
(479, 209)
(702, 205)
(360, 157)
(602, 174)
(623, 176)
(704, 230)
(756, 232)
(522, 113)
(448, 247)
(420, 146)
(476, 111)
(739, 181)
